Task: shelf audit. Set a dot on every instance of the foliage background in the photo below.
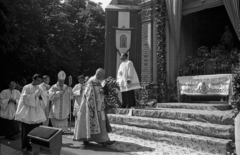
(46, 36)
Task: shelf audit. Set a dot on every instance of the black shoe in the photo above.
(110, 142)
(86, 143)
(104, 144)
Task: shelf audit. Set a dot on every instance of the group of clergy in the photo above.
(42, 104)
(37, 104)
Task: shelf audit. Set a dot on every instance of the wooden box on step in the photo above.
(48, 138)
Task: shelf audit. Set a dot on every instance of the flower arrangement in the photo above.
(147, 96)
(110, 88)
(223, 60)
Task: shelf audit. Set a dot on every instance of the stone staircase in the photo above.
(207, 128)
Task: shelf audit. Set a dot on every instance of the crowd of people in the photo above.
(42, 104)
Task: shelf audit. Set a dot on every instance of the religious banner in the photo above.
(123, 40)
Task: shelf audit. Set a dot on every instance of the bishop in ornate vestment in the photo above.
(8, 105)
(30, 110)
(60, 95)
(91, 123)
(128, 81)
(45, 87)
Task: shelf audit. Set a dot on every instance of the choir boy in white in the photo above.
(8, 104)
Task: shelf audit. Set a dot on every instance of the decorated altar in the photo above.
(205, 85)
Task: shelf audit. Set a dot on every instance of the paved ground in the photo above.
(70, 147)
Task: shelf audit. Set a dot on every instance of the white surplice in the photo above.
(8, 108)
(77, 92)
(127, 72)
(61, 103)
(45, 87)
(31, 107)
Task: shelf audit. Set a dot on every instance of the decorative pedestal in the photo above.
(46, 137)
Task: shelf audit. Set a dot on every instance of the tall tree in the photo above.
(46, 36)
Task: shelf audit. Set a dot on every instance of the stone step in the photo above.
(188, 127)
(138, 146)
(196, 106)
(215, 117)
(199, 143)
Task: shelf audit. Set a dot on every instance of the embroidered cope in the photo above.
(91, 121)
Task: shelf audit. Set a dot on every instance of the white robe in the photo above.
(45, 88)
(30, 109)
(8, 108)
(77, 92)
(60, 109)
(127, 72)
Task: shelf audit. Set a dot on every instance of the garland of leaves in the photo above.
(235, 100)
(110, 95)
(235, 104)
(161, 50)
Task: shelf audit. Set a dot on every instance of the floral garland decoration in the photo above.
(110, 95)
(147, 96)
(235, 100)
(161, 50)
(235, 104)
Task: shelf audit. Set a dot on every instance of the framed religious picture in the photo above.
(123, 40)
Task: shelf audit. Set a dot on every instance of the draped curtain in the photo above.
(174, 11)
(232, 7)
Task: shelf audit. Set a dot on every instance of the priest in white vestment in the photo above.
(128, 81)
(78, 92)
(30, 110)
(91, 124)
(61, 96)
(8, 106)
(45, 86)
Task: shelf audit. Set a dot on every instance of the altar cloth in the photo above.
(217, 84)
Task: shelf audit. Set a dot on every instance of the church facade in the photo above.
(189, 24)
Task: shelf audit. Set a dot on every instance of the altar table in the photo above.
(205, 85)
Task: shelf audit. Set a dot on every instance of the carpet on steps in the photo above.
(196, 106)
(133, 145)
(137, 146)
(215, 117)
(198, 143)
(189, 127)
